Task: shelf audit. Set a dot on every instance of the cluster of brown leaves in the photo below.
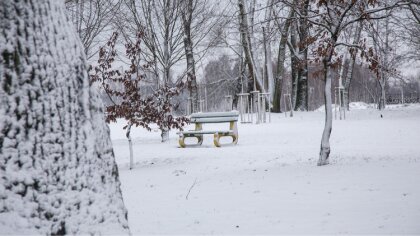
(123, 89)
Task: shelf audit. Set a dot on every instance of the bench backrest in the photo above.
(214, 117)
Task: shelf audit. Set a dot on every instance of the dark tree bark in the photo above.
(278, 83)
(188, 9)
(57, 167)
(302, 85)
(295, 63)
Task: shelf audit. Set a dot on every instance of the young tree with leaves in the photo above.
(332, 18)
(123, 90)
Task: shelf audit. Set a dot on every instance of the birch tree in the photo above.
(247, 46)
(267, 49)
(384, 41)
(332, 18)
(57, 173)
(187, 7)
(352, 61)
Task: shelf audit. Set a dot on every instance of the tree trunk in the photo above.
(349, 75)
(294, 60)
(268, 67)
(130, 144)
(246, 43)
(382, 98)
(166, 63)
(188, 45)
(278, 83)
(267, 41)
(302, 85)
(325, 141)
(58, 173)
(385, 72)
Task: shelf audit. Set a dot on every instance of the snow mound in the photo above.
(322, 108)
(360, 105)
(404, 106)
(352, 105)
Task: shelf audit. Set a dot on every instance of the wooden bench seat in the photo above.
(212, 117)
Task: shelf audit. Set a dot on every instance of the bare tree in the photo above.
(295, 61)
(247, 46)
(268, 66)
(91, 18)
(302, 81)
(187, 7)
(352, 61)
(383, 38)
(198, 21)
(278, 83)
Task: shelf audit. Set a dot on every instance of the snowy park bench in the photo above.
(211, 117)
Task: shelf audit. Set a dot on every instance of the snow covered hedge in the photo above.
(57, 167)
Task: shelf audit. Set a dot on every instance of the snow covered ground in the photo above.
(269, 183)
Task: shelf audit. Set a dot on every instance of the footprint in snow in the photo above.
(179, 172)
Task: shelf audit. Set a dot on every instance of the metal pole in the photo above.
(205, 97)
(339, 101)
(291, 106)
(284, 103)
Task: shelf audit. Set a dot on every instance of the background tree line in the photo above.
(270, 42)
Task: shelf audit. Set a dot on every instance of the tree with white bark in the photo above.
(246, 31)
(350, 69)
(188, 10)
(332, 18)
(57, 169)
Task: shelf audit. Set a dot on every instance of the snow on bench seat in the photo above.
(206, 132)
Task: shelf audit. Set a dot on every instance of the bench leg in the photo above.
(235, 138)
(216, 140)
(181, 140)
(234, 126)
(217, 137)
(199, 139)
